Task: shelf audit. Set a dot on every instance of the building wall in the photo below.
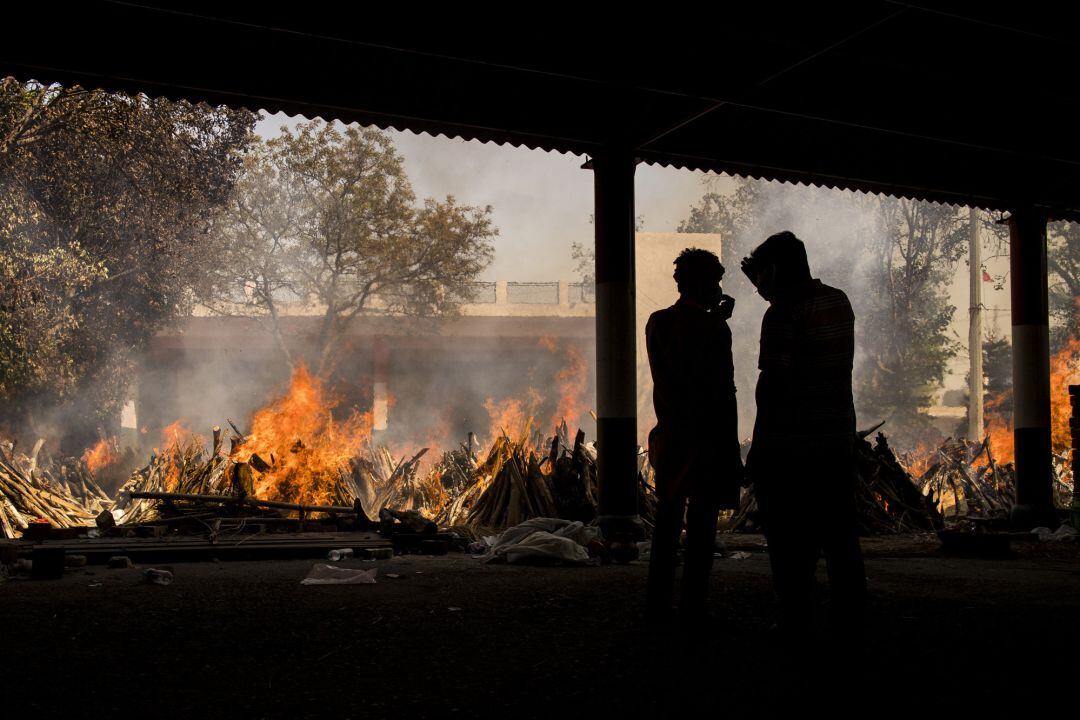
(655, 253)
(412, 373)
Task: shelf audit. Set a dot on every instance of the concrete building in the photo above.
(413, 375)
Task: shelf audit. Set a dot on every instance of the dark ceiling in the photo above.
(961, 103)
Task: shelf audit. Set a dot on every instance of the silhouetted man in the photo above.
(694, 447)
(801, 459)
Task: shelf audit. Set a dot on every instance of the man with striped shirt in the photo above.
(801, 459)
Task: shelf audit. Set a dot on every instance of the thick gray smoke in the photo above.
(842, 234)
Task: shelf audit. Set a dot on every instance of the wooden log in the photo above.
(258, 463)
(253, 502)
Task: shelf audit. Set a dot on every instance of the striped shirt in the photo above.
(807, 352)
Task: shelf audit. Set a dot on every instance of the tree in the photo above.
(904, 331)
(38, 320)
(1063, 264)
(114, 193)
(327, 217)
(997, 382)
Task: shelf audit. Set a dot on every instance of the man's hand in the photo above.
(725, 307)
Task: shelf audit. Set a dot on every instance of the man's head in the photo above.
(698, 273)
(777, 264)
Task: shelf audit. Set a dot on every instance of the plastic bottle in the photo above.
(342, 554)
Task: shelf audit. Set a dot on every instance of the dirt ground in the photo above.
(455, 637)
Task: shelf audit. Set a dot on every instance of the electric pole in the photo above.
(975, 381)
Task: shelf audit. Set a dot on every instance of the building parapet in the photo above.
(500, 298)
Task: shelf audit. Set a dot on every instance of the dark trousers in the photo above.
(807, 512)
(701, 513)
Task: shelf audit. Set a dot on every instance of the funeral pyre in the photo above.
(295, 463)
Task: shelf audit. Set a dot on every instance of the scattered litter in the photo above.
(737, 555)
(338, 555)
(95, 584)
(158, 577)
(454, 609)
(330, 575)
(1064, 533)
(396, 576)
(545, 541)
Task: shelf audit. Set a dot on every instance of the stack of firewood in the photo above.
(966, 484)
(887, 499)
(81, 484)
(183, 467)
(386, 483)
(514, 487)
(31, 494)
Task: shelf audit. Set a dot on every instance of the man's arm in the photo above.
(776, 365)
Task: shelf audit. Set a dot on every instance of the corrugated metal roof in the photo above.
(964, 106)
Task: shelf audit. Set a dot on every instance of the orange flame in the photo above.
(175, 441)
(436, 437)
(103, 454)
(307, 449)
(512, 415)
(1064, 370)
(572, 381)
(919, 460)
(175, 435)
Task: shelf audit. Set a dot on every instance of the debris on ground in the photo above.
(543, 541)
(322, 574)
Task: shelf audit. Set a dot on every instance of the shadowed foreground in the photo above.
(464, 639)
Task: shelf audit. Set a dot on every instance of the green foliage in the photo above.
(905, 320)
(326, 217)
(38, 320)
(997, 381)
(1063, 264)
(123, 189)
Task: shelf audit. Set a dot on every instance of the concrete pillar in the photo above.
(616, 352)
(500, 292)
(1031, 369)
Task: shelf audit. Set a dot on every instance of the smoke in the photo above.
(442, 380)
(842, 234)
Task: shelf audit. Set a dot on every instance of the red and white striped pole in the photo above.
(1031, 370)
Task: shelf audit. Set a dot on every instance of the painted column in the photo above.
(1031, 369)
(616, 351)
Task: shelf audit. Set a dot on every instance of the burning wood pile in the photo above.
(888, 500)
(62, 494)
(182, 468)
(969, 483)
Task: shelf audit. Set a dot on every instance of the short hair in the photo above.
(698, 265)
(787, 253)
